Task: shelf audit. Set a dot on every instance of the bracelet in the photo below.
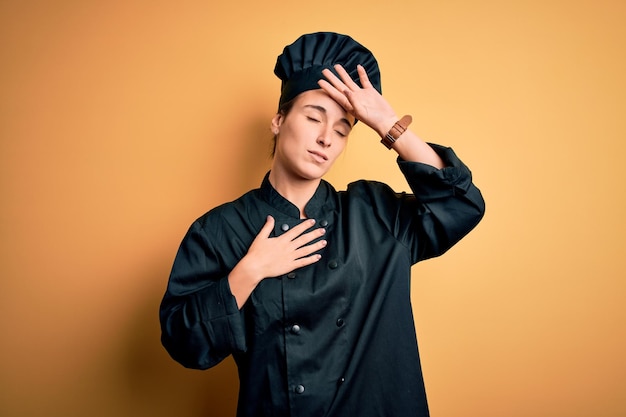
(396, 131)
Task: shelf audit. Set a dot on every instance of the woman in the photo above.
(308, 288)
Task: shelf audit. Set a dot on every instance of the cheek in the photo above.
(338, 151)
(341, 145)
(288, 143)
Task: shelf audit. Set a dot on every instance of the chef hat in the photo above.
(300, 65)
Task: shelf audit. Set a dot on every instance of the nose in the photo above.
(325, 138)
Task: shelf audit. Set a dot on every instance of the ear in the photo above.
(277, 120)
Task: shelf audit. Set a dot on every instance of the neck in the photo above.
(296, 191)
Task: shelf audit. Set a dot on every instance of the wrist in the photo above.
(242, 280)
(397, 130)
(246, 273)
(383, 128)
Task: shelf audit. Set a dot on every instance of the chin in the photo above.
(313, 174)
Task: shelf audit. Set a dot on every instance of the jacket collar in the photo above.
(319, 205)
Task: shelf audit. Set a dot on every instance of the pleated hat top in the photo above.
(300, 65)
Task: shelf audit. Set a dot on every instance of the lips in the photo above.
(319, 156)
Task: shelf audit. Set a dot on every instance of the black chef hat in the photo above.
(300, 65)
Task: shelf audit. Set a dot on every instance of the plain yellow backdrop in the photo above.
(123, 121)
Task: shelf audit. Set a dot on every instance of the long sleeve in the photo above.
(200, 321)
(452, 204)
(444, 207)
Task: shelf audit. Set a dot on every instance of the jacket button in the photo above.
(291, 275)
(299, 389)
(340, 322)
(333, 264)
(324, 223)
(295, 329)
(341, 380)
(284, 227)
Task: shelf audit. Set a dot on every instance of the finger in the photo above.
(365, 80)
(297, 230)
(308, 249)
(339, 97)
(345, 77)
(307, 238)
(329, 88)
(267, 228)
(307, 260)
(334, 80)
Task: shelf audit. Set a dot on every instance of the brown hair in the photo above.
(284, 111)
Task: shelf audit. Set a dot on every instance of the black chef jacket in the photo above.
(335, 338)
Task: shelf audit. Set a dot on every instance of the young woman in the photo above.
(309, 288)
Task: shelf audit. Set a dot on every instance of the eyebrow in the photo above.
(323, 110)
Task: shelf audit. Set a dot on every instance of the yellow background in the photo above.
(123, 121)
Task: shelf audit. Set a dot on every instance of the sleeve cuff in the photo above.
(430, 183)
(220, 316)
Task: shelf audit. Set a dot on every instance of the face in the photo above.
(310, 137)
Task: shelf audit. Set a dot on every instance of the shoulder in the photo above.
(226, 212)
(368, 189)
(377, 197)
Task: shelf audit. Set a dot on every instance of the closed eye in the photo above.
(313, 119)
